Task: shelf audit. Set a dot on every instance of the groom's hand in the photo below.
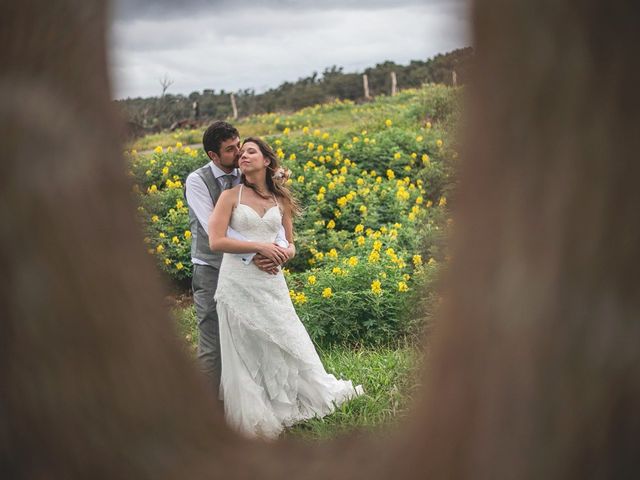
(265, 264)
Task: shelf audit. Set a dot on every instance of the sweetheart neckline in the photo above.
(256, 213)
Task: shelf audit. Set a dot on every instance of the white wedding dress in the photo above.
(272, 376)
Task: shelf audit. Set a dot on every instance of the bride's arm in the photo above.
(218, 240)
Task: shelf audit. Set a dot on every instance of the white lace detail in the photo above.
(272, 376)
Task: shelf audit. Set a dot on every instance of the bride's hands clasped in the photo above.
(273, 252)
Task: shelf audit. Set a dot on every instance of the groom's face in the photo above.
(229, 153)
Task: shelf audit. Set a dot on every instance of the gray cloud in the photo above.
(262, 47)
(128, 10)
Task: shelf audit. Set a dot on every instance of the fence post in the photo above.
(233, 106)
(394, 84)
(365, 82)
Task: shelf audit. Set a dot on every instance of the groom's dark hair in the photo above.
(217, 133)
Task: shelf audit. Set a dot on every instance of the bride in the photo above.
(272, 376)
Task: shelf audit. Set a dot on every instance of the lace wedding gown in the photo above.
(272, 376)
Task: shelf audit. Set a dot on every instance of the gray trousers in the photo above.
(204, 283)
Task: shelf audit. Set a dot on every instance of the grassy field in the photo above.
(388, 375)
(410, 107)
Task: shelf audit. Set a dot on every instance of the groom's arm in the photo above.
(247, 258)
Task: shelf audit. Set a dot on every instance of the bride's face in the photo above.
(251, 158)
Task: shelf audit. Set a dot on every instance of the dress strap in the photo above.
(240, 193)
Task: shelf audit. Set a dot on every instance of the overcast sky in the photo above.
(238, 44)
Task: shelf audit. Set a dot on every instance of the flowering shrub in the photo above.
(374, 211)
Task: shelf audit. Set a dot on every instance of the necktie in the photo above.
(227, 181)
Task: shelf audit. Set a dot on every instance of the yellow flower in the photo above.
(305, 130)
(316, 133)
(417, 260)
(389, 251)
(376, 287)
(179, 266)
(326, 293)
(360, 240)
(377, 245)
(425, 159)
(439, 143)
(428, 125)
(319, 256)
(320, 148)
(419, 138)
(187, 234)
(320, 197)
(331, 225)
(388, 122)
(390, 174)
(331, 186)
(167, 261)
(165, 171)
(301, 179)
(333, 253)
(159, 249)
(431, 261)
(292, 156)
(336, 271)
(179, 203)
(152, 189)
(311, 145)
(155, 219)
(442, 202)
(187, 149)
(286, 131)
(363, 209)
(403, 287)
(374, 256)
(311, 279)
(175, 239)
(300, 298)
(353, 261)
(148, 173)
(397, 156)
(158, 149)
(359, 228)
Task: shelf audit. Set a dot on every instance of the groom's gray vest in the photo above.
(199, 236)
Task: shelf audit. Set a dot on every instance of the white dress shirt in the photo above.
(200, 201)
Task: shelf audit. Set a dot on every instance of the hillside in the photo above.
(158, 113)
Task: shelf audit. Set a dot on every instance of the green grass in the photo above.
(409, 108)
(166, 139)
(387, 374)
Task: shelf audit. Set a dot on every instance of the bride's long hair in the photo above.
(275, 185)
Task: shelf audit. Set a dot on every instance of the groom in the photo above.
(221, 142)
